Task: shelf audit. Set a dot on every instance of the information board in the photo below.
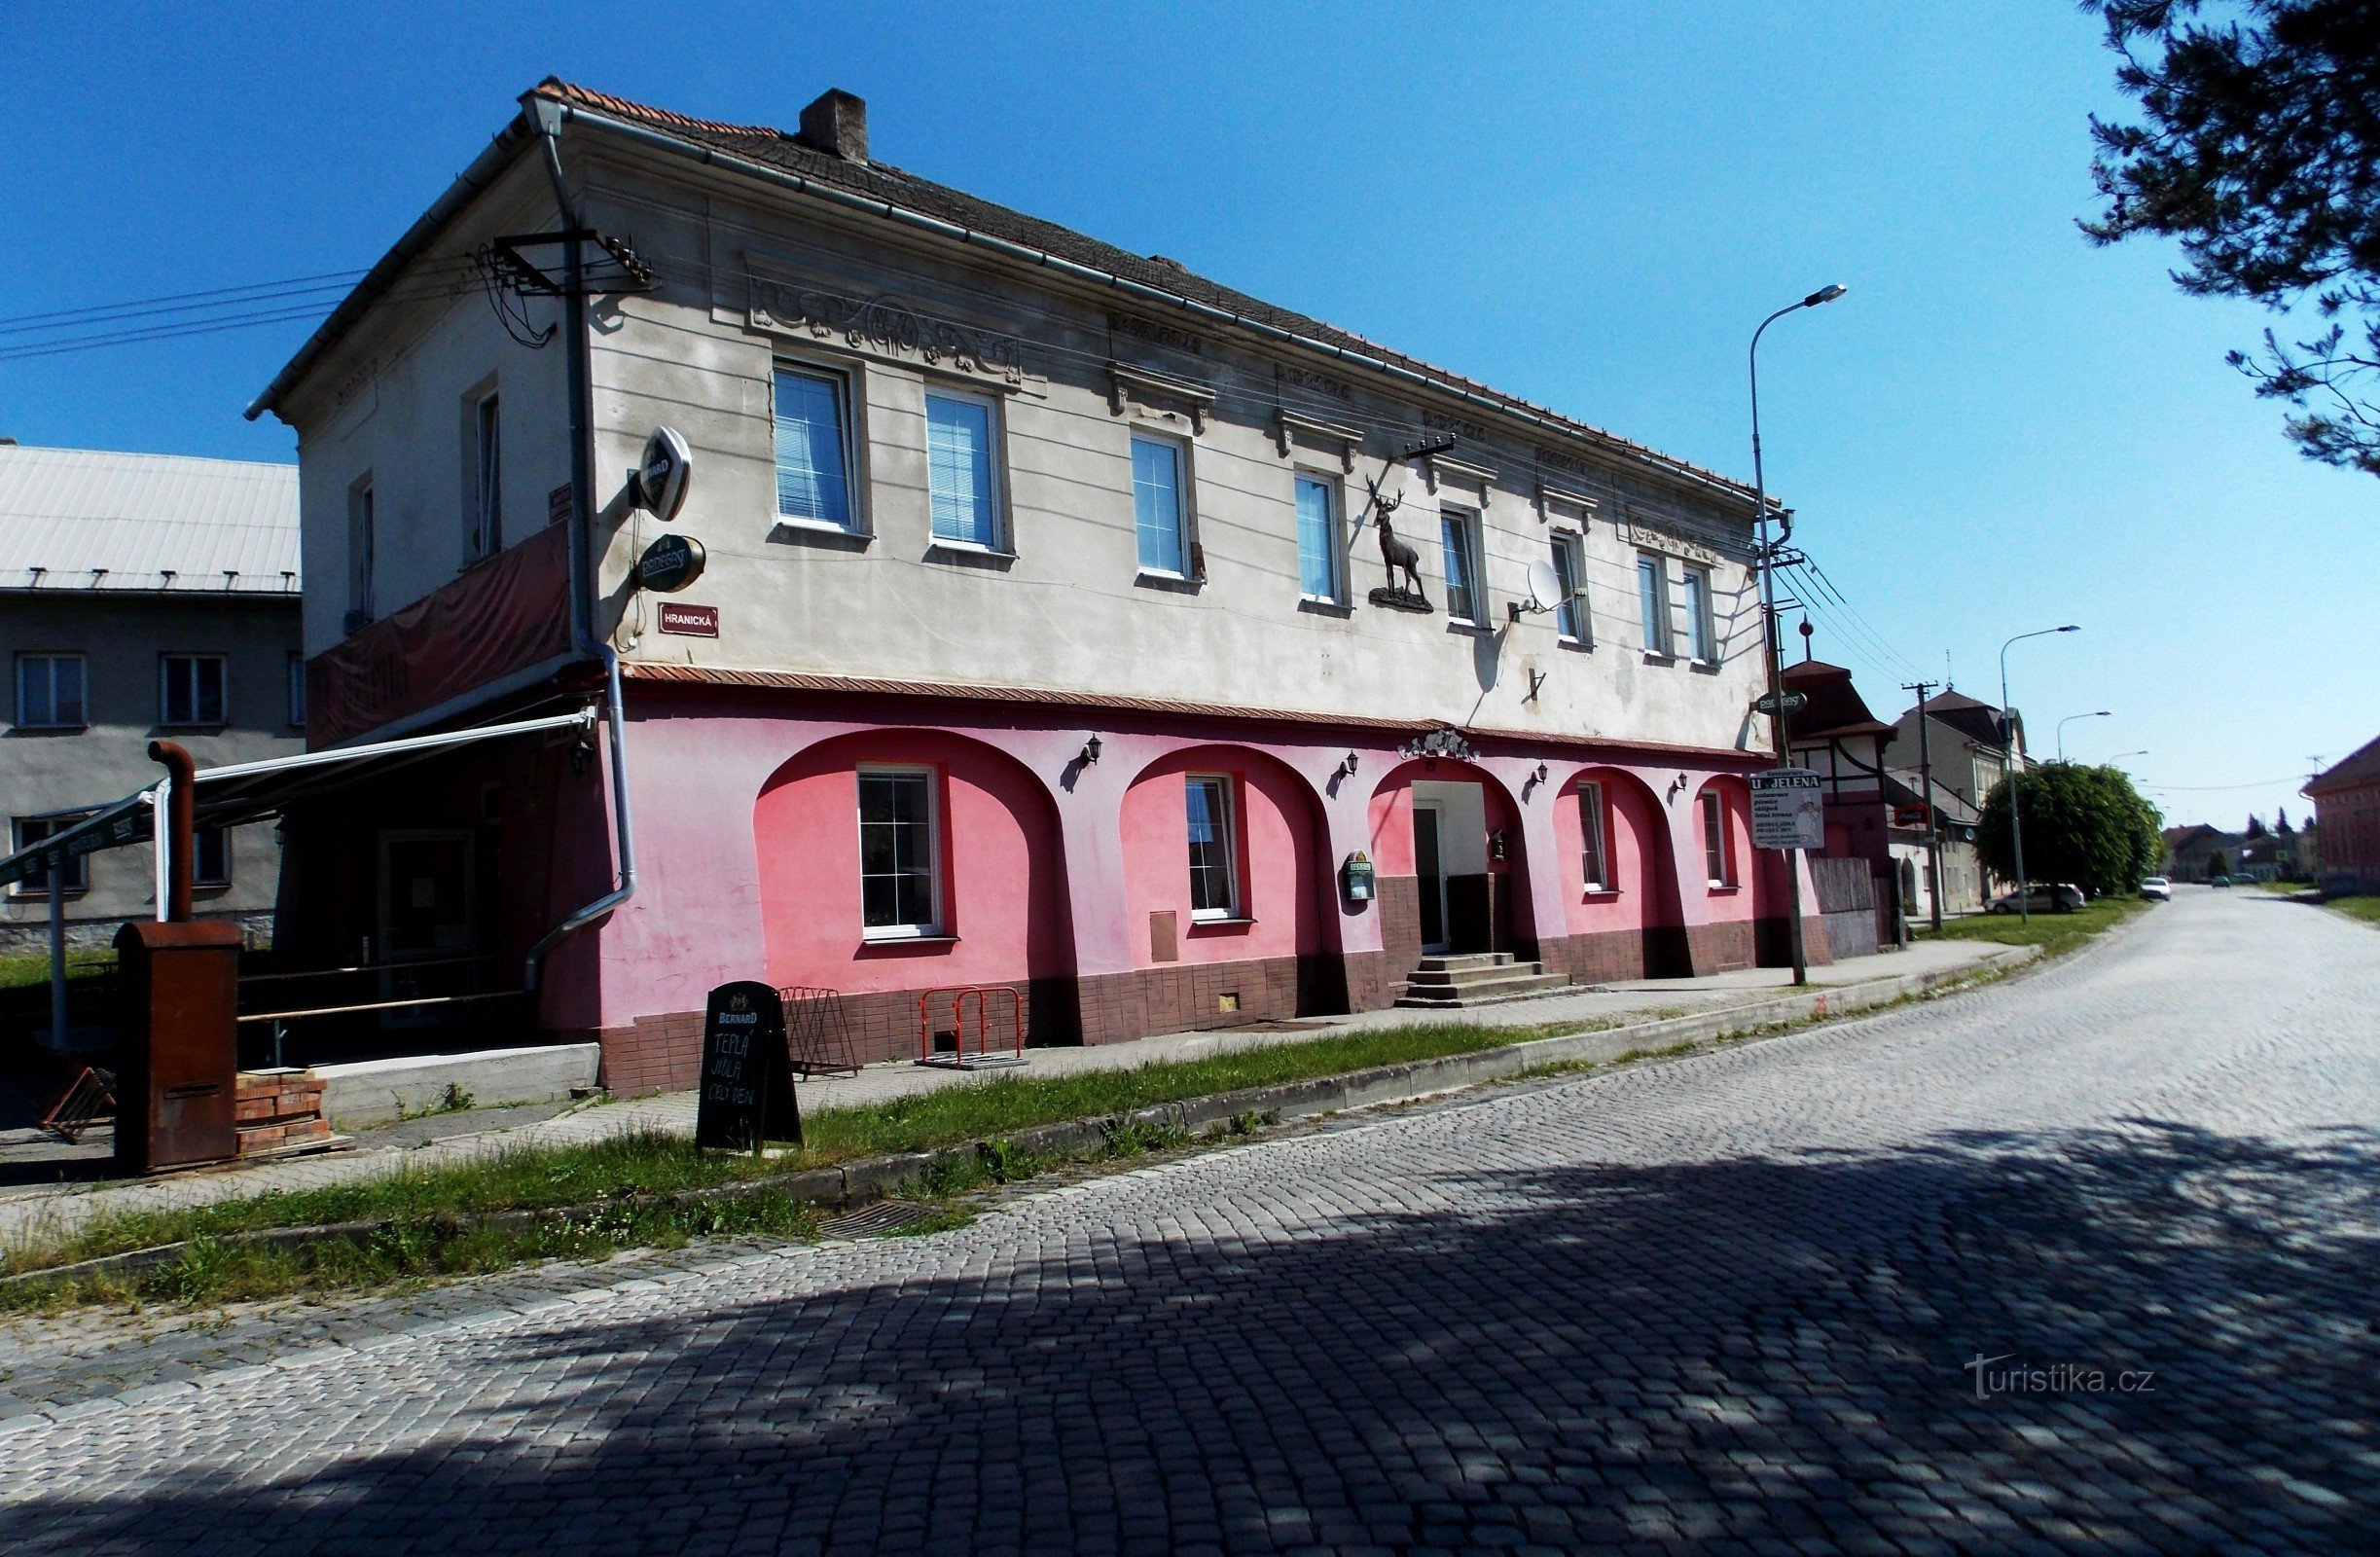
(747, 1090)
(1788, 809)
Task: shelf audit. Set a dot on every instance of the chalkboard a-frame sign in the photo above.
(746, 1095)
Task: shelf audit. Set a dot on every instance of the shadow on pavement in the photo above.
(1675, 1356)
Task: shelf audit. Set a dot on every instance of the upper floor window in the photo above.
(210, 856)
(900, 888)
(1319, 555)
(1215, 888)
(1653, 600)
(1157, 504)
(190, 689)
(1459, 541)
(1701, 628)
(363, 543)
(50, 692)
(296, 689)
(1719, 859)
(812, 450)
(31, 830)
(1570, 619)
(1594, 861)
(961, 473)
(487, 478)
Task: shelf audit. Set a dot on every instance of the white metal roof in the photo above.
(74, 519)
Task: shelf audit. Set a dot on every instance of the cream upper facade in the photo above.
(786, 333)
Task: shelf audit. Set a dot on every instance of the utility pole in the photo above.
(1934, 817)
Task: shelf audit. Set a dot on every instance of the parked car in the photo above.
(2156, 888)
(2219, 880)
(2041, 898)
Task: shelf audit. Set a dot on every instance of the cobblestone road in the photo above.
(1729, 1303)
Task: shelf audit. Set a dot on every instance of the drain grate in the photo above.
(885, 1216)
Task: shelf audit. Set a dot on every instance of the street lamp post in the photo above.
(2070, 719)
(2008, 746)
(1772, 649)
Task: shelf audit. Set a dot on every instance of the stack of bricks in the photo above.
(280, 1110)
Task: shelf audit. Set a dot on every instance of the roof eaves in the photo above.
(676, 131)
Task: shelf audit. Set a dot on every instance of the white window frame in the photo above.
(1234, 907)
(1595, 836)
(846, 387)
(165, 690)
(1701, 617)
(78, 868)
(82, 678)
(1183, 503)
(1659, 623)
(1718, 847)
(934, 929)
(995, 475)
(1334, 536)
(486, 475)
(1570, 549)
(199, 876)
(1475, 560)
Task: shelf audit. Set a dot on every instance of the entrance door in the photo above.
(1429, 865)
(425, 917)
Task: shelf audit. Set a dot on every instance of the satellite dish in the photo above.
(662, 476)
(1544, 586)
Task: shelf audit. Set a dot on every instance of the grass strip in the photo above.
(649, 1165)
(23, 972)
(2367, 909)
(2054, 933)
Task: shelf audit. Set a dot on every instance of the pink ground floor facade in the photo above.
(1194, 875)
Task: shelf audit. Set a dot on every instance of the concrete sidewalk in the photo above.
(45, 1211)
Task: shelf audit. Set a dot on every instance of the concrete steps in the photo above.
(1475, 978)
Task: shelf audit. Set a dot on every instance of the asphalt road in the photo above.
(1733, 1302)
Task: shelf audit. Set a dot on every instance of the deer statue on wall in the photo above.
(1395, 554)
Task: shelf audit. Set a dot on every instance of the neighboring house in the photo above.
(1038, 645)
(142, 596)
(2346, 800)
(1962, 747)
(2199, 852)
(1870, 813)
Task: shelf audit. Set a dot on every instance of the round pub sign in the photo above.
(661, 477)
(671, 563)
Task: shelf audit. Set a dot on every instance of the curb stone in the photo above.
(871, 1180)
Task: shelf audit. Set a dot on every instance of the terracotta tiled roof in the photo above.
(704, 675)
(2358, 767)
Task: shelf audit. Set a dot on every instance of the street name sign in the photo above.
(746, 1095)
(1788, 809)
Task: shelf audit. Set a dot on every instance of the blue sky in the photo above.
(2000, 428)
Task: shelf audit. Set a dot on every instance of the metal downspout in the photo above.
(582, 552)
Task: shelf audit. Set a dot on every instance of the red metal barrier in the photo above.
(987, 998)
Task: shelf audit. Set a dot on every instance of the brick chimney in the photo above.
(837, 124)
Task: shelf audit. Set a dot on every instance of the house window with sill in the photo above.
(1214, 887)
(1321, 553)
(1594, 858)
(50, 692)
(1719, 859)
(190, 690)
(1570, 619)
(1702, 630)
(962, 477)
(1158, 506)
(1458, 545)
(812, 450)
(900, 887)
(1653, 603)
(31, 830)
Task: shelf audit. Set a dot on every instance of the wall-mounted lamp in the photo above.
(1346, 766)
(1541, 773)
(1090, 751)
